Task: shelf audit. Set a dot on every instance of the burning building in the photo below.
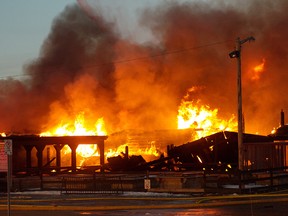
(219, 151)
(89, 80)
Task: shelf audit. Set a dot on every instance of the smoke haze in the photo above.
(86, 66)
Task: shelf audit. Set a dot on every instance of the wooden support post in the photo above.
(28, 149)
(58, 148)
(73, 148)
(126, 152)
(40, 149)
(102, 156)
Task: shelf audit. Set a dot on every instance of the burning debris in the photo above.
(217, 151)
(123, 163)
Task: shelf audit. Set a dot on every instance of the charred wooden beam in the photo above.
(30, 141)
(219, 148)
(49, 140)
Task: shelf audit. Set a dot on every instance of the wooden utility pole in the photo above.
(237, 54)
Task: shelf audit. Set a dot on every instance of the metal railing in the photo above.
(91, 184)
(248, 181)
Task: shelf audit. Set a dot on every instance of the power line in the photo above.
(139, 58)
(160, 54)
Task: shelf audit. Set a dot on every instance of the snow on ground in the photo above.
(126, 194)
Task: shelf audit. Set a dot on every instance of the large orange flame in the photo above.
(85, 152)
(191, 114)
(201, 118)
(77, 127)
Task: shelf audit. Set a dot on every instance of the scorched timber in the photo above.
(36, 140)
(28, 142)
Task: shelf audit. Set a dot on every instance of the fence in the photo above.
(248, 181)
(208, 181)
(91, 184)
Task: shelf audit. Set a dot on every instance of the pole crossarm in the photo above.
(251, 38)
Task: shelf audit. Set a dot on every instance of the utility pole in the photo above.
(237, 54)
(8, 151)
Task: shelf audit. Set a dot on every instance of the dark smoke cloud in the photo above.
(81, 68)
(190, 25)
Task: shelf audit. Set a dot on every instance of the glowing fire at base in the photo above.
(152, 150)
(78, 127)
(84, 153)
(87, 151)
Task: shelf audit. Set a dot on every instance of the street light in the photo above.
(237, 54)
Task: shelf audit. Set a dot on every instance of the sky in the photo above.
(24, 27)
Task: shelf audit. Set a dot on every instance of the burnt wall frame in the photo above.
(28, 142)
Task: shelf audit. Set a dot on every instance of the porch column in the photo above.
(39, 155)
(73, 148)
(58, 148)
(28, 149)
(102, 156)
